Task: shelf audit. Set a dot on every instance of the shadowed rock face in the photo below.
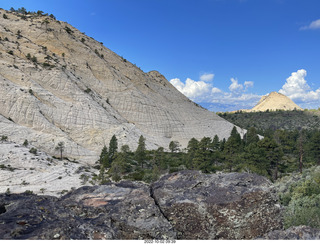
(184, 205)
(225, 206)
(294, 233)
(121, 211)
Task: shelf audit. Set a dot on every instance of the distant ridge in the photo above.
(275, 101)
(272, 102)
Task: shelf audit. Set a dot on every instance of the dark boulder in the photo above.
(183, 205)
(293, 233)
(113, 211)
(220, 206)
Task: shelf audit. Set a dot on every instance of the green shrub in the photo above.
(4, 138)
(303, 211)
(302, 199)
(68, 30)
(137, 175)
(28, 192)
(25, 143)
(34, 59)
(88, 90)
(33, 151)
(306, 189)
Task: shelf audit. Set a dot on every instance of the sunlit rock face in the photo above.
(57, 84)
(275, 101)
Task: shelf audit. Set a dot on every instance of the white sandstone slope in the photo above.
(22, 171)
(57, 84)
(275, 101)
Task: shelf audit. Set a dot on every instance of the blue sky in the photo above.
(223, 54)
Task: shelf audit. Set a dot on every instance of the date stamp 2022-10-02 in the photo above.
(159, 241)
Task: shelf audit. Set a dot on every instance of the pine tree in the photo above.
(117, 169)
(215, 143)
(273, 153)
(251, 136)
(231, 148)
(300, 143)
(104, 156)
(160, 159)
(202, 158)
(174, 146)
(192, 147)
(60, 147)
(113, 148)
(140, 153)
(314, 147)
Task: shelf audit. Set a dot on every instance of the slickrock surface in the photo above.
(57, 84)
(184, 205)
(275, 101)
(22, 171)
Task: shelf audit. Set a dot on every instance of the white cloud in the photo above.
(215, 90)
(192, 89)
(204, 92)
(235, 87)
(312, 26)
(207, 77)
(298, 89)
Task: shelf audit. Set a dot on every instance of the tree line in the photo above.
(276, 154)
(23, 11)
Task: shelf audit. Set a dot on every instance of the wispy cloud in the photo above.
(207, 77)
(312, 26)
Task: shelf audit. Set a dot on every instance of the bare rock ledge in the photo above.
(183, 205)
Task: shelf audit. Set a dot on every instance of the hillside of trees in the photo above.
(290, 158)
(274, 120)
(279, 153)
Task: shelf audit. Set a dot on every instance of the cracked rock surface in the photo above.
(294, 233)
(183, 205)
(219, 206)
(57, 84)
(113, 211)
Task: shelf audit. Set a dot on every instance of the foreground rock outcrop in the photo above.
(183, 205)
(122, 211)
(293, 233)
(220, 206)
